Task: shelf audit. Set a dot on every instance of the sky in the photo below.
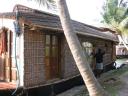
(86, 11)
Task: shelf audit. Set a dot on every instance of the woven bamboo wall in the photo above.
(68, 65)
(69, 68)
(105, 45)
(34, 65)
(33, 58)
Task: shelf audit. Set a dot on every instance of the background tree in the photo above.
(115, 15)
(91, 82)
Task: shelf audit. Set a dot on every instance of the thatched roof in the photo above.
(51, 21)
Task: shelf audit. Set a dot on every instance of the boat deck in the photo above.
(7, 85)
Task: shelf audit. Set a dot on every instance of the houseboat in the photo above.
(34, 50)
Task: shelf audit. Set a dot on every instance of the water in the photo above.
(121, 61)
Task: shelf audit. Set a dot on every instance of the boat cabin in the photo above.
(34, 51)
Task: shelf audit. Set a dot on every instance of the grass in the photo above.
(110, 81)
(112, 86)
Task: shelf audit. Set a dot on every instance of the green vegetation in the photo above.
(115, 16)
(110, 81)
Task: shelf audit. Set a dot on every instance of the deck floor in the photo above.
(7, 85)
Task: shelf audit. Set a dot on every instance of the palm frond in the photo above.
(124, 23)
(121, 1)
(48, 3)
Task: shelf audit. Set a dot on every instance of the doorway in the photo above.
(6, 69)
(52, 53)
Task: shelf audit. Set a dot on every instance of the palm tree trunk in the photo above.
(91, 82)
(120, 38)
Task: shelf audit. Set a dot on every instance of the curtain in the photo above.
(3, 42)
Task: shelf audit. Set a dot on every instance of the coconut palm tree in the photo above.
(91, 82)
(116, 17)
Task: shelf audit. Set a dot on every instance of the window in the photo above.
(88, 49)
(51, 56)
